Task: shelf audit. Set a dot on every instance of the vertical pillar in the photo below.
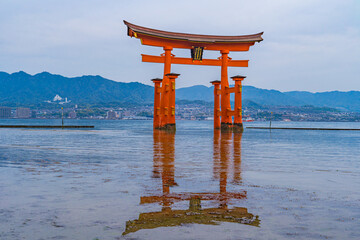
(238, 124)
(217, 112)
(225, 96)
(157, 95)
(171, 107)
(165, 88)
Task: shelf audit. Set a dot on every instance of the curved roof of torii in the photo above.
(132, 28)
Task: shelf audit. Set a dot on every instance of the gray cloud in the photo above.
(308, 44)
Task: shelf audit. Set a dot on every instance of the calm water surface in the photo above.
(124, 181)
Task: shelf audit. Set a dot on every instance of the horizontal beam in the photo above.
(230, 112)
(190, 61)
(216, 46)
(189, 196)
(230, 89)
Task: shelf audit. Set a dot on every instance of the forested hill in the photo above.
(346, 101)
(23, 88)
(32, 89)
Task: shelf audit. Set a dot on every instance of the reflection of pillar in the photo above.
(164, 159)
(164, 155)
(216, 153)
(225, 95)
(217, 111)
(195, 204)
(165, 88)
(238, 124)
(171, 107)
(224, 164)
(157, 91)
(237, 157)
(156, 154)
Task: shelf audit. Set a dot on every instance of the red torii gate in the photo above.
(164, 98)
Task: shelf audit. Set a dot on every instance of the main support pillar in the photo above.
(171, 126)
(217, 111)
(164, 104)
(226, 121)
(238, 124)
(157, 92)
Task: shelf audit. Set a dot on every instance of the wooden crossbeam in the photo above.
(230, 89)
(230, 112)
(190, 61)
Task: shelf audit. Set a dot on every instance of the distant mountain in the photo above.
(197, 92)
(345, 101)
(257, 95)
(23, 88)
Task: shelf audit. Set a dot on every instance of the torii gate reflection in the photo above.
(225, 144)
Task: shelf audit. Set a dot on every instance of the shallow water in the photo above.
(124, 181)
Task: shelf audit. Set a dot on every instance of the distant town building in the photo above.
(111, 115)
(5, 112)
(23, 113)
(59, 100)
(72, 114)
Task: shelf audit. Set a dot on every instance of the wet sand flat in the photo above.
(122, 180)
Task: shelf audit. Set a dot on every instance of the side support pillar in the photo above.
(171, 125)
(238, 124)
(217, 111)
(157, 93)
(226, 121)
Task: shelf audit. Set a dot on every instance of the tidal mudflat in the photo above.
(124, 181)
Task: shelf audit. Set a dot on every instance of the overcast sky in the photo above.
(310, 45)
